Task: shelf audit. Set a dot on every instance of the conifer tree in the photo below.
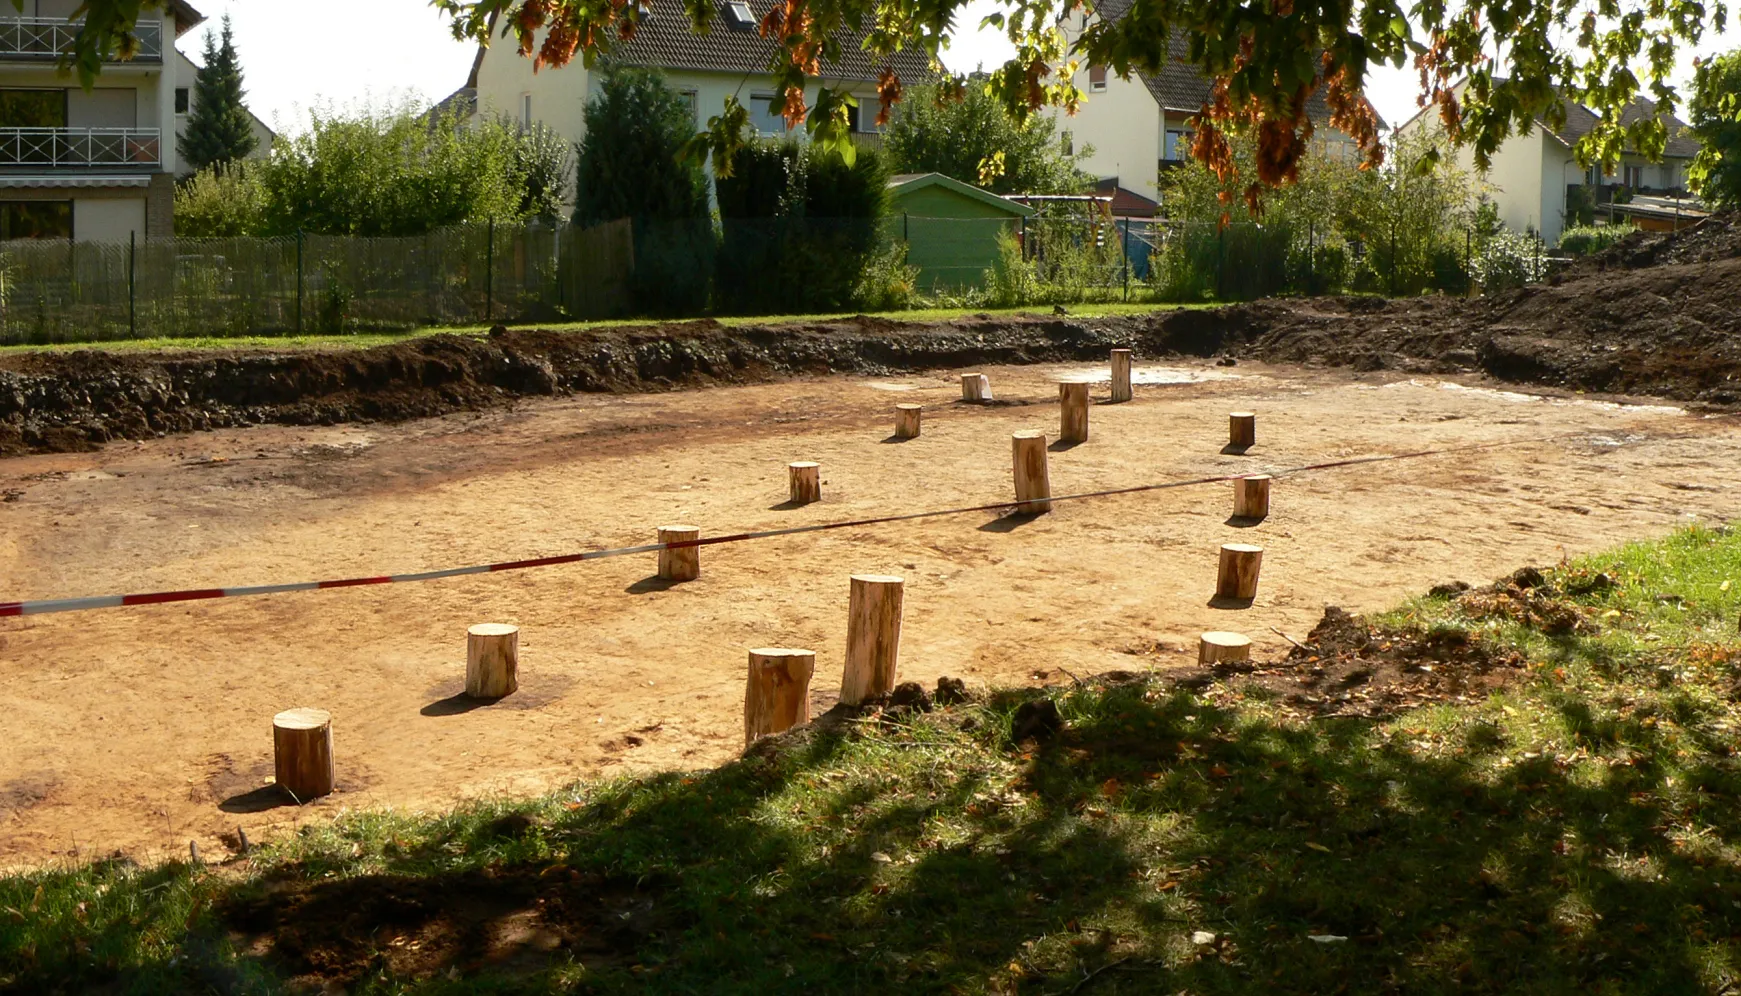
(219, 128)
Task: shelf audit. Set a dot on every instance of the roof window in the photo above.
(739, 13)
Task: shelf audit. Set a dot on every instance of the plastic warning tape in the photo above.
(45, 606)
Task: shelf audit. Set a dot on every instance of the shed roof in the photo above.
(906, 183)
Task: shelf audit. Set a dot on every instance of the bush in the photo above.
(1507, 260)
(888, 283)
(1586, 240)
(221, 201)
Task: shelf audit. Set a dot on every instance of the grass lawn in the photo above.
(1573, 831)
(363, 340)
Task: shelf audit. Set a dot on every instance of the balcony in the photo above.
(80, 147)
(45, 39)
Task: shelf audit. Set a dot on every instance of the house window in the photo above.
(526, 111)
(1097, 79)
(1178, 144)
(766, 120)
(1635, 177)
(692, 100)
(36, 220)
(181, 100)
(738, 12)
(1069, 143)
(32, 109)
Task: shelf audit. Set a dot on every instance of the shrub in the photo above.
(1586, 240)
(888, 283)
(221, 201)
(1507, 260)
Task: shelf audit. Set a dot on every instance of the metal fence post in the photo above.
(132, 254)
(1220, 261)
(1311, 257)
(1393, 259)
(490, 272)
(1126, 250)
(1468, 262)
(906, 229)
(299, 281)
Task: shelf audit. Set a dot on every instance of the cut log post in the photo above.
(806, 481)
(975, 387)
(1033, 479)
(873, 637)
(1215, 648)
(492, 660)
(1237, 577)
(907, 421)
(1242, 430)
(1072, 413)
(302, 752)
(682, 563)
(1251, 497)
(777, 694)
(1121, 375)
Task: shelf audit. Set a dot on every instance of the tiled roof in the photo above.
(665, 40)
(1580, 121)
(1179, 86)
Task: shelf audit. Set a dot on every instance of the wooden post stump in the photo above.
(806, 480)
(1238, 574)
(1251, 497)
(1073, 413)
(1214, 648)
(1033, 479)
(1121, 375)
(492, 660)
(683, 563)
(975, 387)
(777, 694)
(302, 752)
(907, 421)
(1242, 430)
(873, 637)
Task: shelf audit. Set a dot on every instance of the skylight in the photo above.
(740, 13)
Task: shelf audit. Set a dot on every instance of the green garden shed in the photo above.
(951, 228)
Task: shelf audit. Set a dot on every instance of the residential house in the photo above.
(1139, 127)
(731, 59)
(93, 164)
(185, 71)
(1537, 184)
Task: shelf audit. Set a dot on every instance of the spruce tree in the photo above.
(219, 129)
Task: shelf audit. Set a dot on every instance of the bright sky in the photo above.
(292, 58)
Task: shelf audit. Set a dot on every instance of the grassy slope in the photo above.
(1575, 833)
(363, 340)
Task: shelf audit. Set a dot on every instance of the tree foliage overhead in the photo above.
(1715, 174)
(976, 140)
(219, 128)
(1267, 57)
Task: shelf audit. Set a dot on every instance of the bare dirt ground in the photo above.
(140, 728)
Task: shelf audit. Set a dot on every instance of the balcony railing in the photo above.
(45, 38)
(80, 147)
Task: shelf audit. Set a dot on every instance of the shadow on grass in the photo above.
(935, 856)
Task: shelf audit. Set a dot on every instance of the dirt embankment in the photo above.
(1653, 315)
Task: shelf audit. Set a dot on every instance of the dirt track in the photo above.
(140, 728)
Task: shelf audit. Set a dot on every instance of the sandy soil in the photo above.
(140, 728)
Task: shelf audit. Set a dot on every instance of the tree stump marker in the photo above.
(873, 637)
(1237, 577)
(682, 563)
(806, 482)
(777, 693)
(1073, 412)
(492, 660)
(1251, 497)
(1215, 648)
(302, 753)
(907, 421)
(1242, 430)
(1121, 375)
(1033, 478)
(975, 387)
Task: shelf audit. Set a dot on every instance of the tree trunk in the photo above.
(777, 694)
(1121, 375)
(906, 421)
(1033, 480)
(806, 480)
(1251, 497)
(1214, 648)
(1072, 413)
(492, 660)
(975, 387)
(1242, 430)
(683, 563)
(302, 752)
(1238, 574)
(873, 637)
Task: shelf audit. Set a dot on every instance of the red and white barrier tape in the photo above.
(44, 606)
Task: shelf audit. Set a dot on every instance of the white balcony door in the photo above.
(107, 107)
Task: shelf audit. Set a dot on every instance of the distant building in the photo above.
(951, 228)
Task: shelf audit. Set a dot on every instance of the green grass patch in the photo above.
(1577, 831)
(363, 340)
